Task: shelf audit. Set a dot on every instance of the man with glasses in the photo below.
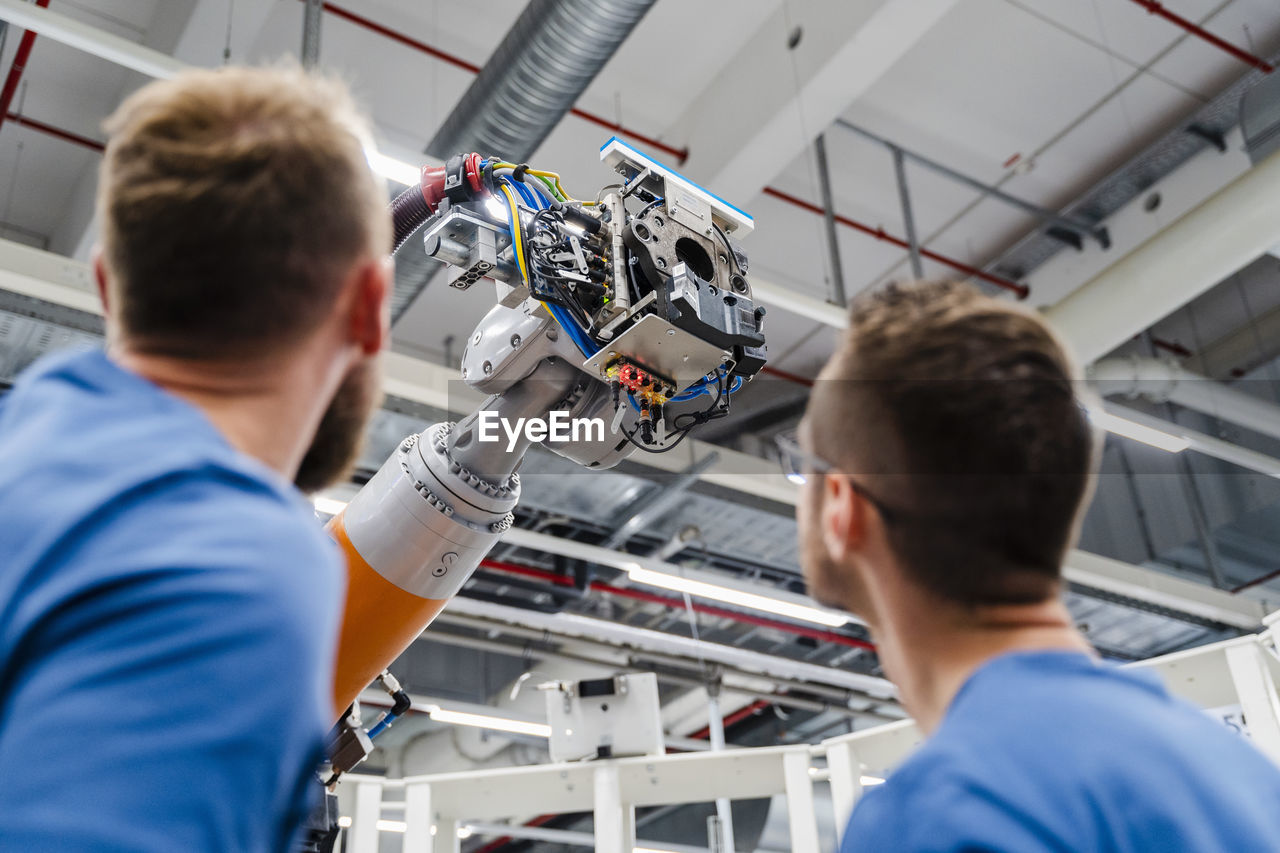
(946, 462)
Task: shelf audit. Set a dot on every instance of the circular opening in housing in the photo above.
(738, 283)
(642, 231)
(690, 253)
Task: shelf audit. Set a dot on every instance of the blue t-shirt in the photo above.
(168, 614)
(1052, 751)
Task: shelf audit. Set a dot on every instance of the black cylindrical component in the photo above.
(408, 211)
(582, 219)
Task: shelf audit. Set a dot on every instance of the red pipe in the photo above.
(58, 132)
(1198, 31)
(681, 154)
(409, 41)
(790, 377)
(880, 234)
(19, 65)
(1255, 582)
(678, 604)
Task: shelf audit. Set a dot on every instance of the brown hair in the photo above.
(959, 413)
(233, 204)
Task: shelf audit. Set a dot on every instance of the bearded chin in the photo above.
(340, 436)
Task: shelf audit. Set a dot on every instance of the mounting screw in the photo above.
(488, 368)
(515, 341)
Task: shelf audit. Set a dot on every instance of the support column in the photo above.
(1258, 699)
(836, 294)
(615, 827)
(715, 734)
(845, 776)
(364, 823)
(418, 816)
(445, 840)
(312, 12)
(908, 218)
(800, 810)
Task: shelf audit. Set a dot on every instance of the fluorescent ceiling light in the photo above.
(484, 721)
(329, 506)
(392, 169)
(383, 825)
(1166, 441)
(650, 850)
(737, 597)
(868, 781)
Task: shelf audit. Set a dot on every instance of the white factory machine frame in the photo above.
(436, 806)
(1237, 680)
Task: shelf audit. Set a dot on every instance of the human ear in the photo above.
(100, 278)
(370, 313)
(843, 517)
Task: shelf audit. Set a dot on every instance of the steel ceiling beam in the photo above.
(797, 87)
(1049, 217)
(1231, 229)
(90, 39)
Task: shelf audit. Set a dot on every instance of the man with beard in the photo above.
(168, 602)
(947, 460)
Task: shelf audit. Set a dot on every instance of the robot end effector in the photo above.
(641, 289)
(633, 309)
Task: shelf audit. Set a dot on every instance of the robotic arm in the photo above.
(633, 309)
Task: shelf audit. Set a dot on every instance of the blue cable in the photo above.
(383, 725)
(571, 328)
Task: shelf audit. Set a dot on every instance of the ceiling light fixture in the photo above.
(383, 825)
(736, 597)
(392, 169)
(484, 721)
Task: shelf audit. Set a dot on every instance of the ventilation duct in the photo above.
(1260, 118)
(545, 62)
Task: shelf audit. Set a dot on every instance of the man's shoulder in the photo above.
(939, 801)
(1051, 753)
(90, 449)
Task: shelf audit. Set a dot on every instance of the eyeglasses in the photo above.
(798, 464)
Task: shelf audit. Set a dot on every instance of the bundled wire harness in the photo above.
(643, 281)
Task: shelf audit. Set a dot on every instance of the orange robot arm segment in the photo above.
(412, 536)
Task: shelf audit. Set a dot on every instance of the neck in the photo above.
(266, 408)
(930, 648)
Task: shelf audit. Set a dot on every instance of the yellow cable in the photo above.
(516, 229)
(518, 246)
(555, 178)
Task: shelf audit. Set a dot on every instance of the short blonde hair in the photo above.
(233, 204)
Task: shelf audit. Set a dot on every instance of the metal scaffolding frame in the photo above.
(1243, 672)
